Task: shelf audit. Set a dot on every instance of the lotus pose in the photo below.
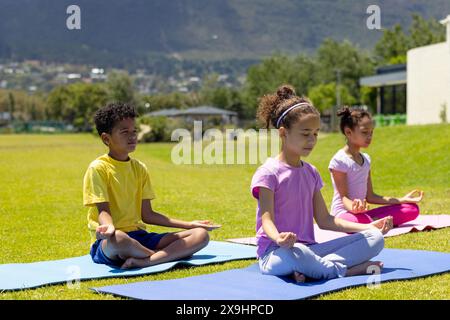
(350, 174)
(289, 198)
(118, 192)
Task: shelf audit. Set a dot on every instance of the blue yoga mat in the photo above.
(250, 284)
(30, 275)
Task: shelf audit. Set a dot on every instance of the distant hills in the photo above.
(139, 32)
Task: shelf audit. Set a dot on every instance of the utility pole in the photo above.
(12, 105)
(338, 100)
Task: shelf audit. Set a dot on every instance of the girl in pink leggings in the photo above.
(350, 174)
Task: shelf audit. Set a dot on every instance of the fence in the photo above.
(383, 120)
(36, 127)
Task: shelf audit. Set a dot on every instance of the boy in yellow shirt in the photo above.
(118, 191)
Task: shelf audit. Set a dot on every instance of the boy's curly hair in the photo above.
(108, 116)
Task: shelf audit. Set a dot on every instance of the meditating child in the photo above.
(118, 192)
(289, 197)
(350, 173)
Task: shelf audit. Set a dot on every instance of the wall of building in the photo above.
(428, 83)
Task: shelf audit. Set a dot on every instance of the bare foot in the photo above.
(299, 277)
(363, 268)
(131, 263)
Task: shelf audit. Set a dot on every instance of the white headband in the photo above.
(287, 111)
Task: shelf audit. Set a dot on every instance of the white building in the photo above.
(428, 79)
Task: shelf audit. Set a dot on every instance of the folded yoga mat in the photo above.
(250, 284)
(30, 275)
(422, 223)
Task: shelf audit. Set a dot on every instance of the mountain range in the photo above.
(121, 32)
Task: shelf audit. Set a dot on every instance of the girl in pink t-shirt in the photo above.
(350, 174)
(289, 199)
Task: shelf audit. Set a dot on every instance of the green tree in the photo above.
(33, 112)
(369, 97)
(120, 87)
(392, 47)
(174, 100)
(85, 100)
(11, 104)
(76, 103)
(265, 77)
(209, 86)
(343, 60)
(212, 93)
(323, 96)
(425, 32)
(57, 102)
(24, 105)
(274, 71)
(159, 129)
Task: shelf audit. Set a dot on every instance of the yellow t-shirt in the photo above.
(123, 184)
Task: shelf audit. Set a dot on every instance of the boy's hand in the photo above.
(208, 225)
(286, 239)
(105, 231)
(411, 198)
(359, 206)
(384, 225)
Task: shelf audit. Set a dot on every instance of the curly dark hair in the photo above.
(350, 117)
(272, 106)
(108, 116)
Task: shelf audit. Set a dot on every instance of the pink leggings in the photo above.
(401, 213)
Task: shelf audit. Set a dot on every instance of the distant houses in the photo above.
(201, 113)
(5, 118)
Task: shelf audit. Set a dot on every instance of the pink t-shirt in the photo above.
(293, 189)
(357, 176)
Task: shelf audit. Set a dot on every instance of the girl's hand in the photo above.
(359, 206)
(105, 231)
(384, 225)
(208, 225)
(411, 198)
(286, 239)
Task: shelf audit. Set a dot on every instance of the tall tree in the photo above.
(11, 104)
(342, 62)
(274, 71)
(323, 96)
(121, 88)
(393, 46)
(76, 103)
(425, 32)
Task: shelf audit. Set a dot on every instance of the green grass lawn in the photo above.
(42, 216)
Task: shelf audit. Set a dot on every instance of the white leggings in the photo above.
(326, 260)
